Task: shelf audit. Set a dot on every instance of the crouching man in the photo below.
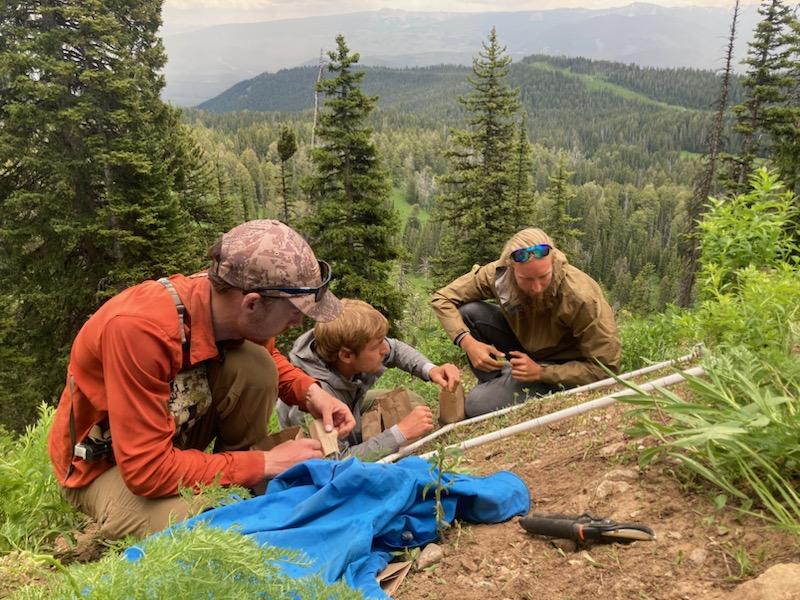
(548, 328)
(165, 367)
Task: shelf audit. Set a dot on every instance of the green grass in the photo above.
(596, 84)
(404, 208)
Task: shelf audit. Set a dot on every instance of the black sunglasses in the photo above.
(525, 254)
(319, 291)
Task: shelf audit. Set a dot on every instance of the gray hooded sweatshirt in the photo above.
(353, 392)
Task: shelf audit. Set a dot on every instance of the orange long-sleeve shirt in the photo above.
(122, 362)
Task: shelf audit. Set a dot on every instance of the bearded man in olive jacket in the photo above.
(548, 328)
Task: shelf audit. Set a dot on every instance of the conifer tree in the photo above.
(287, 146)
(89, 162)
(521, 196)
(767, 84)
(561, 226)
(785, 127)
(477, 208)
(690, 249)
(351, 224)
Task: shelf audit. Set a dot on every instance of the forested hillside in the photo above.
(628, 135)
(675, 189)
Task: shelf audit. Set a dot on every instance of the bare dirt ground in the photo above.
(588, 463)
(583, 464)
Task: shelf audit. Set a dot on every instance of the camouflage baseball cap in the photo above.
(271, 258)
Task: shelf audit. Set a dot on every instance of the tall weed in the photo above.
(32, 511)
(185, 564)
(647, 340)
(738, 429)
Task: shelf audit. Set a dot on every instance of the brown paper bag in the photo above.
(392, 576)
(451, 405)
(371, 423)
(395, 406)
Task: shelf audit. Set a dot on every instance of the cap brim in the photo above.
(327, 309)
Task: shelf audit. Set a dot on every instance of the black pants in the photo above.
(496, 389)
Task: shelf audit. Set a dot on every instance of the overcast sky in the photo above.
(184, 14)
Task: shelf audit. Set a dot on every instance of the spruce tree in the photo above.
(521, 196)
(561, 225)
(477, 207)
(89, 161)
(351, 224)
(287, 146)
(767, 84)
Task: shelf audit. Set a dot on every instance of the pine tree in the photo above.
(351, 224)
(287, 146)
(89, 161)
(766, 84)
(690, 250)
(561, 226)
(521, 166)
(477, 207)
(785, 127)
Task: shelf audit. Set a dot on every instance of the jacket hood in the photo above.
(303, 356)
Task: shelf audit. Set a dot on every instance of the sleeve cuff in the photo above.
(426, 370)
(459, 337)
(398, 435)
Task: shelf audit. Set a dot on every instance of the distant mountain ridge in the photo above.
(430, 91)
(204, 63)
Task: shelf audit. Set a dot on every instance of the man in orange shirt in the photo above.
(166, 367)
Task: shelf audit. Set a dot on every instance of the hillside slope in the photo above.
(205, 62)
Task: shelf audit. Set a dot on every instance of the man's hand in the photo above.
(333, 412)
(524, 368)
(288, 454)
(416, 423)
(481, 355)
(446, 376)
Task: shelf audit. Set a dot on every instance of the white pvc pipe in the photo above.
(570, 412)
(603, 383)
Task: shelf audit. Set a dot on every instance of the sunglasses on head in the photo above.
(319, 291)
(522, 255)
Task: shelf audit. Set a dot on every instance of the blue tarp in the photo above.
(349, 516)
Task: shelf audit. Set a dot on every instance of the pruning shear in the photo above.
(585, 528)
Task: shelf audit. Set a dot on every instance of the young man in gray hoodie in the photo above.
(346, 357)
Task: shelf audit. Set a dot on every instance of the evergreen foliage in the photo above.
(520, 168)
(478, 206)
(351, 224)
(767, 119)
(689, 250)
(90, 161)
(561, 226)
(287, 146)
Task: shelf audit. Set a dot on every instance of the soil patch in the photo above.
(587, 464)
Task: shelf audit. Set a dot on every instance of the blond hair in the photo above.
(358, 323)
(524, 239)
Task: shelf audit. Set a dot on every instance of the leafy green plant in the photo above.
(33, 511)
(201, 562)
(445, 460)
(738, 430)
(652, 339)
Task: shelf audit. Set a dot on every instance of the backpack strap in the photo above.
(181, 308)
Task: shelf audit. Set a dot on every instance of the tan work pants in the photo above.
(244, 389)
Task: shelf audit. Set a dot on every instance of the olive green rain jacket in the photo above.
(570, 324)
